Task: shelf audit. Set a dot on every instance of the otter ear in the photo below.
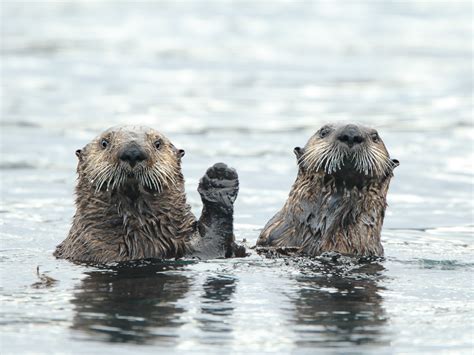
(395, 163)
(180, 153)
(79, 153)
(298, 152)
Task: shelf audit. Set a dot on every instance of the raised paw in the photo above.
(219, 186)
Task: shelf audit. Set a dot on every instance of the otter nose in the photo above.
(350, 135)
(133, 155)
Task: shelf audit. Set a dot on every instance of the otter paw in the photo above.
(219, 185)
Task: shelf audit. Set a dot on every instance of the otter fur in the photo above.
(131, 203)
(338, 201)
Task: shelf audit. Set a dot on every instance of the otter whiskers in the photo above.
(325, 156)
(115, 176)
(330, 157)
(371, 161)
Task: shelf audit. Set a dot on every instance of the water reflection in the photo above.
(217, 309)
(339, 307)
(133, 304)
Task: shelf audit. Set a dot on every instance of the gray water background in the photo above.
(240, 82)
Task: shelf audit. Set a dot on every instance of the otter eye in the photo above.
(157, 144)
(375, 137)
(104, 143)
(323, 132)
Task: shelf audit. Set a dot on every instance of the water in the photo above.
(240, 82)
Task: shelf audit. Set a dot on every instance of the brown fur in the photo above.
(335, 205)
(121, 217)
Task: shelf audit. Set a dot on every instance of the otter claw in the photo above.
(219, 185)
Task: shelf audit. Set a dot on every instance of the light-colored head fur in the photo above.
(100, 162)
(327, 152)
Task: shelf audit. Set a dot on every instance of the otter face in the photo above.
(346, 151)
(130, 155)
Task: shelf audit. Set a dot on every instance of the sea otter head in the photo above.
(353, 155)
(130, 156)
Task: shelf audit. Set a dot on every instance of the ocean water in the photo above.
(241, 82)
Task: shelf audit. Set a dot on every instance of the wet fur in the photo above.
(338, 200)
(121, 218)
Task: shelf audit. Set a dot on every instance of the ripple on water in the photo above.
(242, 84)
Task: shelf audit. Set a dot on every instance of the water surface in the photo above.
(240, 82)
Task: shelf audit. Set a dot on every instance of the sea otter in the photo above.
(338, 201)
(131, 203)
